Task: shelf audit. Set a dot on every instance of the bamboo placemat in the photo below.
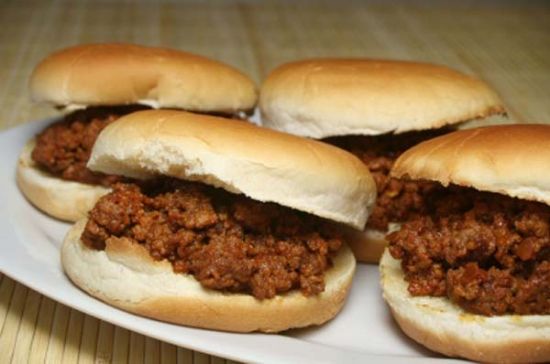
(506, 43)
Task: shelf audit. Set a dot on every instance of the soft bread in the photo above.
(507, 159)
(124, 275)
(320, 98)
(368, 245)
(64, 200)
(157, 77)
(242, 158)
(444, 327)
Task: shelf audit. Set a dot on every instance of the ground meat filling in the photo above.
(64, 147)
(228, 242)
(397, 200)
(488, 253)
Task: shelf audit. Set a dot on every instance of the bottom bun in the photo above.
(444, 327)
(369, 245)
(124, 275)
(64, 200)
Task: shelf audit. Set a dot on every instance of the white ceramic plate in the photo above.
(30, 241)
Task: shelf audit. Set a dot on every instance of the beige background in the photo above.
(506, 43)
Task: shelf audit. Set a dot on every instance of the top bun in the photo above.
(509, 159)
(121, 74)
(242, 158)
(321, 98)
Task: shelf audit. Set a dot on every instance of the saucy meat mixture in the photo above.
(486, 252)
(64, 147)
(397, 200)
(227, 242)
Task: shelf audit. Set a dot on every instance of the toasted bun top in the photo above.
(508, 159)
(120, 74)
(242, 158)
(330, 97)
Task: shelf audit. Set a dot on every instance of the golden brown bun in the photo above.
(120, 74)
(124, 275)
(64, 200)
(263, 164)
(368, 245)
(508, 159)
(320, 98)
(441, 326)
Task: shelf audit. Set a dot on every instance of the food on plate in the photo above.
(376, 110)
(469, 276)
(225, 225)
(98, 83)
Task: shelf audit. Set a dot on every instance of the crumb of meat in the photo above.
(397, 200)
(227, 242)
(64, 147)
(487, 252)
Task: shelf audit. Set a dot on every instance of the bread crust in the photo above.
(320, 98)
(64, 200)
(508, 159)
(263, 164)
(444, 327)
(124, 275)
(158, 77)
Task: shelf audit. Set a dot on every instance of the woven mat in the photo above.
(505, 43)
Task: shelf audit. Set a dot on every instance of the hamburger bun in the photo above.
(508, 159)
(441, 326)
(124, 275)
(62, 199)
(367, 245)
(76, 77)
(262, 164)
(157, 77)
(322, 98)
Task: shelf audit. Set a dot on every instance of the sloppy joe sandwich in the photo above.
(375, 109)
(469, 276)
(96, 84)
(225, 226)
